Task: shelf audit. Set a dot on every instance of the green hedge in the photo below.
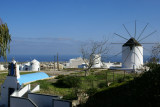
(143, 91)
(69, 82)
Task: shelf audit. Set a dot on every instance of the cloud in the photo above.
(44, 45)
(35, 39)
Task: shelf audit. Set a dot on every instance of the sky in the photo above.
(45, 27)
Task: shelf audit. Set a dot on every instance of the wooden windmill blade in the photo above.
(120, 36)
(127, 30)
(118, 53)
(143, 31)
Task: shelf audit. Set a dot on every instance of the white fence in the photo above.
(36, 89)
(21, 92)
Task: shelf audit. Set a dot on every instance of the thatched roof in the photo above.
(132, 42)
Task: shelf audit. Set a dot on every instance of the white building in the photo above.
(132, 54)
(74, 63)
(2, 67)
(82, 66)
(96, 58)
(112, 65)
(34, 65)
(13, 94)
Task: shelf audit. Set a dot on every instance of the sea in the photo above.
(61, 58)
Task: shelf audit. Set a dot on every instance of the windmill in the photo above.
(132, 49)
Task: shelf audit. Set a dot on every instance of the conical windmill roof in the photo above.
(132, 42)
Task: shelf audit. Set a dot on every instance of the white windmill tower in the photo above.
(132, 54)
(96, 61)
(132, 50)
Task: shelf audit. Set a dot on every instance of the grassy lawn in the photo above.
(48, 87)
(91, 81)
(88, 82)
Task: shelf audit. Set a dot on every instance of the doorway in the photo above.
(10, 91)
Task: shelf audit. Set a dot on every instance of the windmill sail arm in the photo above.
(142, 31)
(127, 30)
(119, 53)
(148, 35)
(120, 36)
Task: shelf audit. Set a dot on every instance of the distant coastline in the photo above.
(62, 58)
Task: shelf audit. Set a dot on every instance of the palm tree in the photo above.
(5, 39)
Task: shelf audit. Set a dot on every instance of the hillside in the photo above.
(143, 91)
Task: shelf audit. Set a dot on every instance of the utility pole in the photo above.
(54, 63)
(57, 63)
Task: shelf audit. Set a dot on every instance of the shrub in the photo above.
(120, 80)
(71, 96)
(60, 76)
(102, 85)
(142, 91)
(91, 91)
(69, 82)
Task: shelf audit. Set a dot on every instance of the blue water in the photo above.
(64, 58)
(41, 58)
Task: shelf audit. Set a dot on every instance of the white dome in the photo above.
(34, 61)
(35, 65)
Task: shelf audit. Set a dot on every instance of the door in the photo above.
(10, 91)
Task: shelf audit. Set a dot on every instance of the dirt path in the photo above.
(56, 73)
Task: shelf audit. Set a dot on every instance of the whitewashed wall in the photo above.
(132, 58)
(10, 82)
(21, 92)
(36, 89)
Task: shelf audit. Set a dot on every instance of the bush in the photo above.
(102, 85)
(91, 91)
(60, 76)
(142, 91)
(71, 96)
(120, 80)
(69, 82)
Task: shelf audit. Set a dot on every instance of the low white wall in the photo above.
(21, 102)
(42, 100)
(21, 92)
(36, 89)
(61, 103)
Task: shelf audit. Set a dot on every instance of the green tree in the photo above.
(5, 39)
